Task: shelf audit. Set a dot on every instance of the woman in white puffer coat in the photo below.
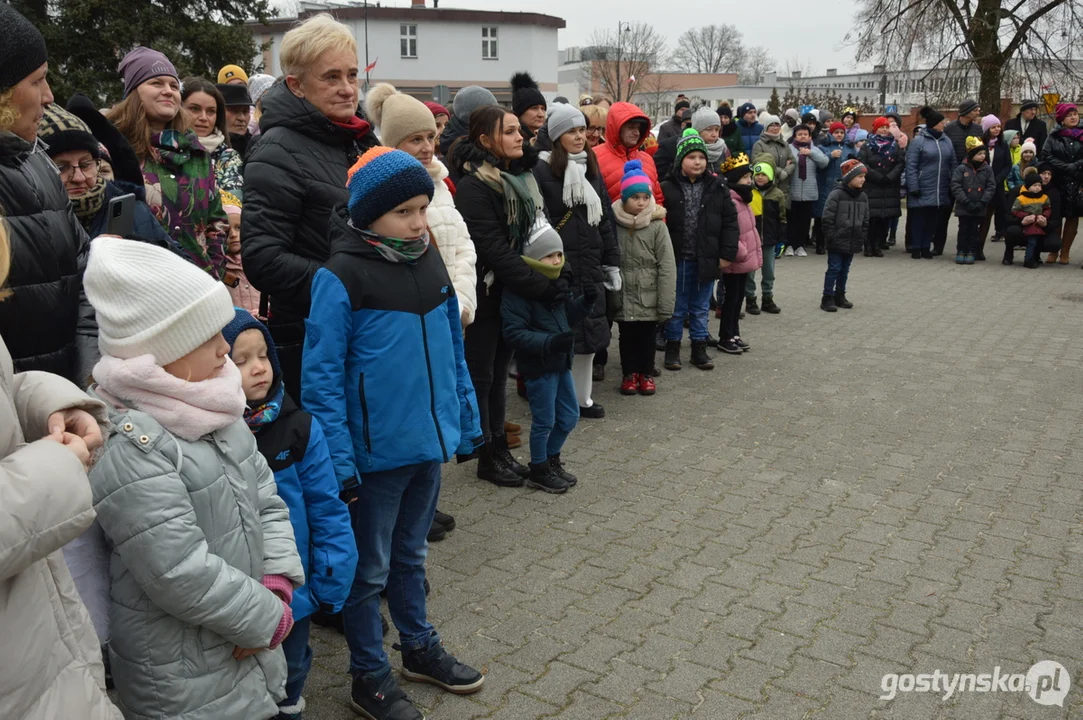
(406, 124)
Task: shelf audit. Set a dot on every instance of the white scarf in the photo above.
(577, 190)
(213, 141)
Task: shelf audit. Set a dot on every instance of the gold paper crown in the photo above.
(735, 161)
(973, 142)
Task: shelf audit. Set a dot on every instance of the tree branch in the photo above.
(1024, 28)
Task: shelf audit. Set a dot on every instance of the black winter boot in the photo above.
(558, 470)
(543, 478)
(492, 469)
(751, 306)
(382, 699)
(673, 355)
(828, 303)
(700, 358)
(500, 448)
(769, 305)
(842, 302)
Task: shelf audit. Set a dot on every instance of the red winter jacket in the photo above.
(612, 155)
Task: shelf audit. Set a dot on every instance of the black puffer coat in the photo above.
(483, 211)
(883, 180)
(294, 175)
(718, 229)
(1065, 154)
(846, 219)
(586, 250)
(47, 323)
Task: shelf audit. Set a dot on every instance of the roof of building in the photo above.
(420, 13)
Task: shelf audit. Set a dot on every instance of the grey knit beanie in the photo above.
(564, 117)
(469, 99)
(22, 48)
(543, 241)
(704, 118)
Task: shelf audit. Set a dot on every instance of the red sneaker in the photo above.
(628, 385)
(646, 385)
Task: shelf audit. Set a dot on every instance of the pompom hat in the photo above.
(525, 93)
(397, 114)
(851, 169)
(381, 180)
(149, 301)
(690, 142)
(634, 181)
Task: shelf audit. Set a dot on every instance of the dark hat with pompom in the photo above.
(525, 93)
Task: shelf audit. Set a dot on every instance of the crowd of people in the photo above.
(230, 423)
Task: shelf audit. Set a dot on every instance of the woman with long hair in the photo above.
(572, 188)
(178, 170)
(500, 201)
(207, 111)
(1000, 160)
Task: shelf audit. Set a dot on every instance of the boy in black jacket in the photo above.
(846, 230)
(540, 333)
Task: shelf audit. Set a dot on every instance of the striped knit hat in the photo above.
(851, 169)
(634, 180)
(690, 142)
(381, 180)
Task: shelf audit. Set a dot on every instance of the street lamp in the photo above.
(621, 27)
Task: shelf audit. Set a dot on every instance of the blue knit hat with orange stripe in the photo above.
(381, 180)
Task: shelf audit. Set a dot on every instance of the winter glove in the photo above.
(613, 281)
(561, 343)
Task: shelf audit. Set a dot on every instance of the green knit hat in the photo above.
(690, 142)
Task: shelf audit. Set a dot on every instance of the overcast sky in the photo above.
(815, 41)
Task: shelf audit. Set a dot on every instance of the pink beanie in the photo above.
(1029, 145)
(1062, 111)
(989, 121)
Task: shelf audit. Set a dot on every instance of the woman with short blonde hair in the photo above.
(596, 116)
(296, 173)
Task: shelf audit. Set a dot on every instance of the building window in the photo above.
(408, 41)
(488, 43)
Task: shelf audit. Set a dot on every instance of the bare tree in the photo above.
(654, 96)
(627, 58)
(709, 49)
(755, 64)
(990, 34)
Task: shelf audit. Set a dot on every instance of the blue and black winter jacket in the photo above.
(384, 370)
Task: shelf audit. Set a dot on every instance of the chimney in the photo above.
(832, 72)
(417, 4)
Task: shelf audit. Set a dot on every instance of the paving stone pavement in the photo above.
(894, 488)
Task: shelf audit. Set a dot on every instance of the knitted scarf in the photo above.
(1076, 132)
(884, 146)
(89, 204)
(577, 189)
(189, 410)
(260, 414)
(717, 150)
(396, 250)
(802, 160)
(522, 198)
(213, 141)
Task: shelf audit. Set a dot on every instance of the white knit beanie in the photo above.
(151, 302)
(397, 114)
(704, 118)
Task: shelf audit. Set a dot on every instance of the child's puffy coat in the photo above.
(749, 250)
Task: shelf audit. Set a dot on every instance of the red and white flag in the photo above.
(371, 66)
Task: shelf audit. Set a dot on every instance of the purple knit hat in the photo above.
(1062, 111)
(142, 64)
(989, 121)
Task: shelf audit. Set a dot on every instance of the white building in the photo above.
(418, 48)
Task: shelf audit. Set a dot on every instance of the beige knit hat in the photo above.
(396, 114)
(151, 302)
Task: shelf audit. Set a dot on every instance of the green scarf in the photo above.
(522, 198)
(396, 250)
(88, 205)
(550, 271)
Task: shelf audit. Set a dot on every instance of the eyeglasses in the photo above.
(593, 130)
(89, 168)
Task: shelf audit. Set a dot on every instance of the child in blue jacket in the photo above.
(294, 446)
(384, 373)
(541, 335)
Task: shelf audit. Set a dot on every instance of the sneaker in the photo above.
(779, 249)
(598, 373)
(543, 478)
(628, 384)
(436, 666)
(594, 412)
(382, 699)
(290, 715)
(968, 258)
(800, 252)
(444, 519)
(557, 465)
(730, 348)
(745, 347)
(712, 341)
(646, 385)
(960, 258)
(788, 252)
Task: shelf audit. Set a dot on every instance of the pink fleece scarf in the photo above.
(189, 410)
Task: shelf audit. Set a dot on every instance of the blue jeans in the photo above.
(298, 662)
(693, 300)
(554, 412)
(391, 519)
(768, 284)
(838, 269)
